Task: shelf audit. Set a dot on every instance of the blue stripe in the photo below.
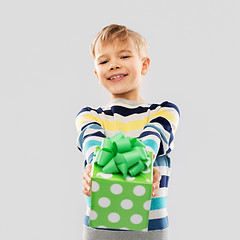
(86, 220)
(123, 111)
(90, 158)
(158, 203)
(88, 201)
(162, 161)
(97, 134)
(79, 149)
(159, 130)
(164, 181)
(96, 126)
(92, 125)
(158, 224)
(151, 143)
(161, 149)
(146, 133)
(90, 144)
(168, 151)
(81, 137)
(166, 125)
(170, 105)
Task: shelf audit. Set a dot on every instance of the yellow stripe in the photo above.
(163, 113)
(116, 125)
(87, 117)
(126, 127)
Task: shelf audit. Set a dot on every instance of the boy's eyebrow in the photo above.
(124, 50)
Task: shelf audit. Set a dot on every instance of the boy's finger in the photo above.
(87, 193)
(155, 193)
(88, 169)
(155, 186)
(86, 187)
(156, 175)
(87, 177)
(85, 184)
(87, 173)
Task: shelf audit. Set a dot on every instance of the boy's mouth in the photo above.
(116, 77)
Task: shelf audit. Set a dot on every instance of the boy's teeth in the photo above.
(117, 77)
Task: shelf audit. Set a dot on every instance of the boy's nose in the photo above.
(114, 66)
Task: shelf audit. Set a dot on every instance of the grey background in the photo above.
(47, 77)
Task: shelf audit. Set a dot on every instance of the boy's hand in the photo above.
(86, 180)
(156, 182)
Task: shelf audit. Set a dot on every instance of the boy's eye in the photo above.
(123, 57)
(103, 62)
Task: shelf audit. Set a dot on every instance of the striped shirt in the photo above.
(154, 124)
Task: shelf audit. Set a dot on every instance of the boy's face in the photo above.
(119, 69)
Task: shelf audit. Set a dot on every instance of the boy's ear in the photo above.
(97, 76)
(145, 65)
(96, 73)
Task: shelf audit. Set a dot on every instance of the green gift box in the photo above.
(121, 196)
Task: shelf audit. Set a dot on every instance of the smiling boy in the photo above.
(120, 59)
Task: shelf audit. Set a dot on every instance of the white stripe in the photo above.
(164, 170)
(153, 137)
(165, 132)
(162, 192)
(95, 138)
(134, 133)
(88, 211)
(160, 213)
(174, 112)
(125, 119)
(126, 105)
(149, 149)
(85, 123)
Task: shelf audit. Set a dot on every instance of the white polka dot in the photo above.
(126, 204)
(139, 190)
(136, 219)
(147, 205)
(148, 180)
(104, 202)
(146, 171)
(113, 217)
(116, 189)
(102, 227)
(145, 230)
(93, 215)
(105, 175)
(123, 228)
(129, 178)
(95, 186)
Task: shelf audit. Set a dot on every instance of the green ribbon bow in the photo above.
(122, 154)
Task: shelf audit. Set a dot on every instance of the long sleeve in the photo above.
(159, 133)
(90, 132)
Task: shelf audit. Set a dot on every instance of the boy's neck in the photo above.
(131, 96)
(137, 99)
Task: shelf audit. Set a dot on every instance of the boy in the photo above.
(120, 58)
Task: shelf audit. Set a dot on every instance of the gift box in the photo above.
(121, 185)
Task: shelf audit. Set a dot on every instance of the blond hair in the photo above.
(115, 32)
